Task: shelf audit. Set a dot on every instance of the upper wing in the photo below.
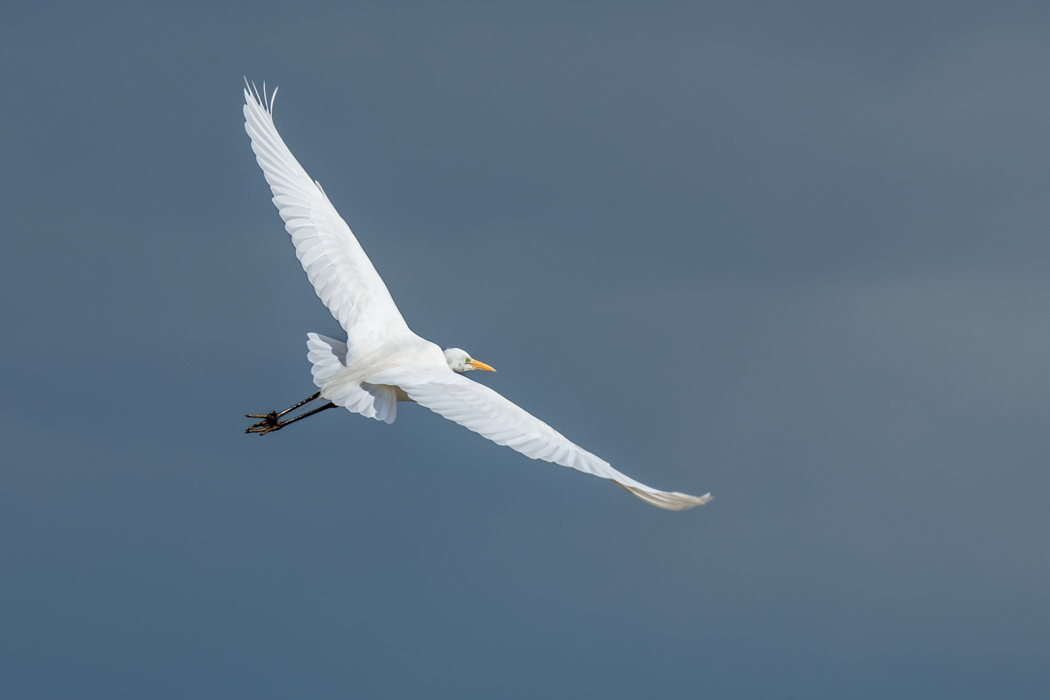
(337, 266)
(478, 408)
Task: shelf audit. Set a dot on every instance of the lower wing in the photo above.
(478, 408)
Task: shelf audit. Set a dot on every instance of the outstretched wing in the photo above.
(478, 408)
(342, 275)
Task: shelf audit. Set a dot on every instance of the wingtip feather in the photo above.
(668, 500)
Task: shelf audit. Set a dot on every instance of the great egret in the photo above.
(383, 361)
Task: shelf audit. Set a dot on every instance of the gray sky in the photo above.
(795, 254)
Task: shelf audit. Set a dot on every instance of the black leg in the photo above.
(271, 421)
(287, 410)
(307, 414)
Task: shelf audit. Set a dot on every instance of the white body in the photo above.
(383, 361)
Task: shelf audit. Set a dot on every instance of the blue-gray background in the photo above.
(795, 254)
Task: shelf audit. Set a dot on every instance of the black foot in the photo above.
(272, 421)
(268, 423)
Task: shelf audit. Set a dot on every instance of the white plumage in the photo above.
(383, 361)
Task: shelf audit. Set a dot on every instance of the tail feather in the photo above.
(328, 357)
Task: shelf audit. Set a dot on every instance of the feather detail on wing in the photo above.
(340, 271)
(482, 410)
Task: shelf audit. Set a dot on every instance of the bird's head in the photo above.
(459, 361)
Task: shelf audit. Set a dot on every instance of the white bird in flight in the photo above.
(383, 361)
